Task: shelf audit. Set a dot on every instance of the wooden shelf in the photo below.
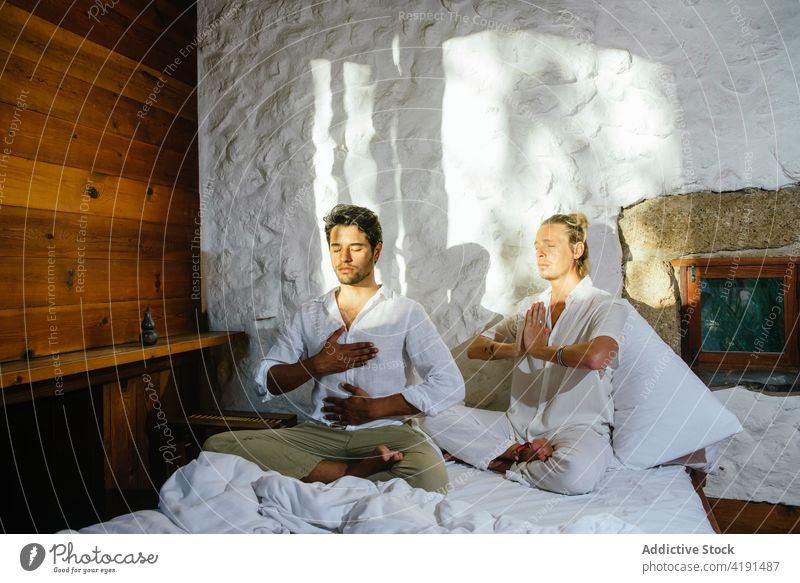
(20, 372)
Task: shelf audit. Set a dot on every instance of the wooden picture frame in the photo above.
(695, 275)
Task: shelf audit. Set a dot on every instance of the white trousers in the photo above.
(477, 436)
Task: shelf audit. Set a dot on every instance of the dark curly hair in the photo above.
(347, 215)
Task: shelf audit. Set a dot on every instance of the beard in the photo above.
(354, 277)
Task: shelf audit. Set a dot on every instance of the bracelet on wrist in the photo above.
(560, 355)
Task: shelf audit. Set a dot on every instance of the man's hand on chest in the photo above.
(334, 357)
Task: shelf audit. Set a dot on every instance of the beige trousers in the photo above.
(295, 451)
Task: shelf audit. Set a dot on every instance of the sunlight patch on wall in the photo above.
(534, 124)
(325, 190)
(359, 166)
(401, 228)
(396, 53)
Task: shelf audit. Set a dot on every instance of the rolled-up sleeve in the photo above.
(609, 320)
(442, 385)
(288, 348)
(505, 330)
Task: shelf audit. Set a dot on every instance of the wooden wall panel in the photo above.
(147, 32)
(38, 40)
(85, 325)
(60, 96)
(39, 185)
(56, 141)
(99, 197)
(48, 234)
(91, 281)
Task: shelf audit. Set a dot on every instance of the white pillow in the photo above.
(662, 411)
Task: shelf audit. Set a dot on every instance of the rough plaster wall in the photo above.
(463, 128)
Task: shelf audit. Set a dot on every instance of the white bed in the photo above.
(227, 495)
(657, 500)
(662, 414)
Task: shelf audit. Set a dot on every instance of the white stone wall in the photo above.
(463, 124)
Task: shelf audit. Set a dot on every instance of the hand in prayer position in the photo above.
(535, 332)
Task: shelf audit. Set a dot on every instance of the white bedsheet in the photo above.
(658, 500)
(220, 493)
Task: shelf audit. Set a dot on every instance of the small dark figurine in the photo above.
(149, 334)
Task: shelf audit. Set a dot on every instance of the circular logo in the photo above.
(31, 556)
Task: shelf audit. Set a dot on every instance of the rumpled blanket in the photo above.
(220, 493)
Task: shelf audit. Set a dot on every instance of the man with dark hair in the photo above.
(360, 345)
(348, 215)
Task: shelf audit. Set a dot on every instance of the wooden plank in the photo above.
(108, 25)
(743, 517)
(92, 281)
(712, 262)
(47, 389)
(124, 437)
(38, 137)
(57, 95)
(698, 482)
(39, 185)
(56, 329)
(22, 372)
(130, 406)
(37, 40)
(56, 234)
(177, 15)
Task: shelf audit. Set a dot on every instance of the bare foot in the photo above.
(541, 449)
(381, 458)
(538, 449)
(499, 465)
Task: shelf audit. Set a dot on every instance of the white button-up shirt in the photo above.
(546, 397)
(409, 349)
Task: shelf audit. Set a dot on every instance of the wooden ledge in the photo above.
(58, 366)
(743, 517)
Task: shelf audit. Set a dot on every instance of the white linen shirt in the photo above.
(408, 345)
(546, 397)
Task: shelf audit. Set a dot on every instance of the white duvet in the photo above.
(220, 493)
